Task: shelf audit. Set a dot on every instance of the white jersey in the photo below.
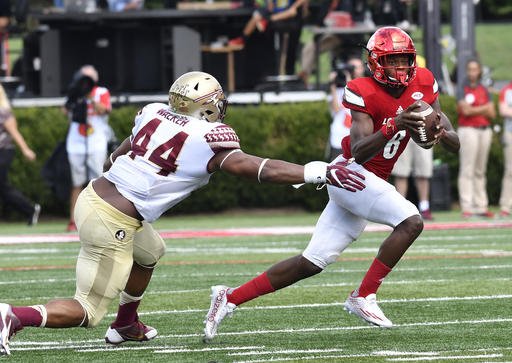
(168, 158)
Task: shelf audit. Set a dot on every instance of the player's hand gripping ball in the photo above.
(425, 137)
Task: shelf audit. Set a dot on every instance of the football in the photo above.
(425, 136)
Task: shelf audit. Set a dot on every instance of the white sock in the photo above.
(424, 205)
(127, 298)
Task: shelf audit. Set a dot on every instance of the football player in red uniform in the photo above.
(173, 150)
(383, 117)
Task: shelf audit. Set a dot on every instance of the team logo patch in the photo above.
(120, 235)
(470, 98)
(417, 96)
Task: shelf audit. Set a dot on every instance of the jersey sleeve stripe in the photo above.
(353, 98)
(221, 138)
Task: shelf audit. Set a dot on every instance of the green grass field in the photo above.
(449, 298)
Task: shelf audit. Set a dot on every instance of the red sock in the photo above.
(373, 278)
(250, 290)
(28, 315)
(126, 314)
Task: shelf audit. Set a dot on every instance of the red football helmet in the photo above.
(389, 41)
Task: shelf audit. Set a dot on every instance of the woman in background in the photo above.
(9, 135)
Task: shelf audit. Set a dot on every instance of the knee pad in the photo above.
(321, 260)
(148, 246)
(323, 251)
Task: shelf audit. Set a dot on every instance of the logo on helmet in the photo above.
(199, 95)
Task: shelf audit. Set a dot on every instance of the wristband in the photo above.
(315, 172)
(110, 158)
(389, 129)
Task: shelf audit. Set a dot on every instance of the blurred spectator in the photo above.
(330, 42)
(391, 12)
(476, 111)
(5, 19)
(505, 109)
(271, 14)
(9, 135)
(5, 14)
(88, 106)
(419, 163)
(341, 118)
(124, 5)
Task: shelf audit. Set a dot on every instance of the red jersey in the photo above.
(368, 96)
(477, 96)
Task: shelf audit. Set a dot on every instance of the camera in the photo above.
(78, 89)
(341, 69)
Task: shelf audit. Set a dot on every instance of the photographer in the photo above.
(87, 106)
(341, 118)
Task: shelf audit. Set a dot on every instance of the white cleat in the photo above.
(9, 325)
(136, 332)
(219, 309)
(367, 309)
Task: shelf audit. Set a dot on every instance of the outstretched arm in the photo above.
(238, 163)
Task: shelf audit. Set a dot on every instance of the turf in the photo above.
(449, 298)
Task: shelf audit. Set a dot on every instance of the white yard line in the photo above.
(446, 357)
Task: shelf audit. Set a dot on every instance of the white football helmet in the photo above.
(198, 94)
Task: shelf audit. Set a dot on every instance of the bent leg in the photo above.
(402, 237)
(148, 248)
(290, 271)
(65, 313)
(106, 253)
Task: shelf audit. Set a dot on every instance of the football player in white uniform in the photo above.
(172, 151)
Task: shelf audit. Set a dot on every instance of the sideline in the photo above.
(233, 232)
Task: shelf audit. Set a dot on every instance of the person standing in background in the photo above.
(476, 111)
(419, 162)
(505, 109)
(9, 135)
(341, 118)
(5, 20)
(88, 134)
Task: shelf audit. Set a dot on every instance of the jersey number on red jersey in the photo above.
(391, 147)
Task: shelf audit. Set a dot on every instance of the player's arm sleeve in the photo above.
(353, 100)
(222, 138)
(105, 101)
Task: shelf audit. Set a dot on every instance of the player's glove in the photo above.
(338, 175)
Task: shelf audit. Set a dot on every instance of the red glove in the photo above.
(340, 176)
